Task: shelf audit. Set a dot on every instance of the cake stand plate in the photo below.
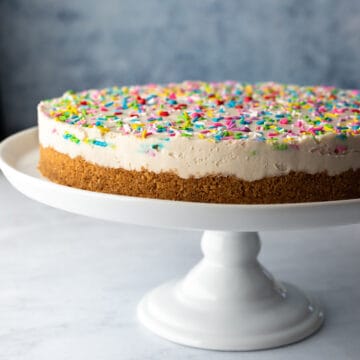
(228, 301)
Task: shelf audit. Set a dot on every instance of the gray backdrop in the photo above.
(49, 46)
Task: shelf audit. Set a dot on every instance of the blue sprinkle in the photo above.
(341, 136)
(100, 143)
(124, 104)
(231, 104)
(157, 146)
(260, 138)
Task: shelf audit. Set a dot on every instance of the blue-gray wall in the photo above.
(49, 46)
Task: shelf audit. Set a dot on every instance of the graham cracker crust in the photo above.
(292, 188)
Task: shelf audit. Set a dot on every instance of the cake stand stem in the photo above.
(228, 301)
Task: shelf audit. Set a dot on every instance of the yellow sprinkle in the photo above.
(103, 130)
(186, 116)
(331, 115)
(329, 128)
(248, 90)
(208, 88)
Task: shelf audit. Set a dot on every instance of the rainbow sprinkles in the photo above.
(216, 142)
(230, 111)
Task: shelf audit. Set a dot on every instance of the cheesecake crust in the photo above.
(294, 187)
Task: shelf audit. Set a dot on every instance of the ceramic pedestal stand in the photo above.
(226, 302)
(229, 301)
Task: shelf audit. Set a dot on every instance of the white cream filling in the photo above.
(191, 157)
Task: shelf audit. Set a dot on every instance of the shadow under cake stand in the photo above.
(228, 301)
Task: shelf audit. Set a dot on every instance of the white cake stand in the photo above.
(226, 302)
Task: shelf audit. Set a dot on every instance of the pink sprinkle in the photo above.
(340, 149)
(284, 121)
(230, 124)
(299, 123)
(313, 129)
(339, 111)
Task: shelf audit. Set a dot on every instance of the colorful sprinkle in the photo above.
(229, 111)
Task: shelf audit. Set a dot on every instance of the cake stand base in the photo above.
(229, 301)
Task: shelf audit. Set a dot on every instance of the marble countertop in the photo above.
(69, 285)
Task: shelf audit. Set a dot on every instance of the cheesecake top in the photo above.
(274, 113)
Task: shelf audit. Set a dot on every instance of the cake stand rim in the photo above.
(10, 169)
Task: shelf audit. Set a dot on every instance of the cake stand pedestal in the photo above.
(226, 302)
(229, 301)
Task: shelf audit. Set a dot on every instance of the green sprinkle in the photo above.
(280, 147)
(71, 137)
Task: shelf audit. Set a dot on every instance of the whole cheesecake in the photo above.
(225, 142)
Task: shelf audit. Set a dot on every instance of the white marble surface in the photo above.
(69, 285)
